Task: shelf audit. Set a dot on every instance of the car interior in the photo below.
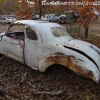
(16, 34)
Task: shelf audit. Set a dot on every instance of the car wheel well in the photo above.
(53, 66)
(1, 55)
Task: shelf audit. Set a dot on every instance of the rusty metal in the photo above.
(67, 61)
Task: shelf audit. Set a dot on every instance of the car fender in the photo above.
(79, 67)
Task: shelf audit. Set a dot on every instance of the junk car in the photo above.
(40, 44)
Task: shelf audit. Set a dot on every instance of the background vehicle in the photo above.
(3, 20)
(9, 18)
(72, 15)
(35, 17)
(50, 18)
(62, 19)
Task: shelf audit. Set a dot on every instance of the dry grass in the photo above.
(93, 36)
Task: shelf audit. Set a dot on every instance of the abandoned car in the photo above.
(40, 44)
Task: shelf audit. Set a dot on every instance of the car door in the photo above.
(13, 47)
(31, 47)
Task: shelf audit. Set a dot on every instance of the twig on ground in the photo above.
(50, 93)
(23, 77)
(31, 85)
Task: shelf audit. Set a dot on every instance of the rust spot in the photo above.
(78, 69)
(90, 74)
(68, 62)
(58, 59)
(21, 43)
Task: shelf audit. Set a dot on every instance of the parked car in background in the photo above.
(63, 19)
(50, 18)
(9, 18)
(40, 44)
(3, 20)
(35, 17)
(72, 15)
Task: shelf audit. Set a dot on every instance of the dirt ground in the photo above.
(57, 79)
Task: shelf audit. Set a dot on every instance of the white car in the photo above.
(50, 18)
(40, 44)
(3, 20)
(11, 20)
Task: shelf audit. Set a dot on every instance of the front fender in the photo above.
(86, 49)
(76, 65)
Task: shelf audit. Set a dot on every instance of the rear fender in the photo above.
(78, 66)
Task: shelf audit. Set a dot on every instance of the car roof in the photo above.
(41, 27)
(30, 22)
(35, 23)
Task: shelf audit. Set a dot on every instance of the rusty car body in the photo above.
(40, 44)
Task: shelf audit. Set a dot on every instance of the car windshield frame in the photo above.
(58, 32)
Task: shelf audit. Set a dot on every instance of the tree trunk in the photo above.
(75, 6)
(79, 32)
(86, 32)
(40, 8)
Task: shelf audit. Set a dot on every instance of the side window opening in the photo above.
(31, 34)
(16, 32)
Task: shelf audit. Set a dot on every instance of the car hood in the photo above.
(88, 50)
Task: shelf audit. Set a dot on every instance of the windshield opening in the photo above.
(58, 32)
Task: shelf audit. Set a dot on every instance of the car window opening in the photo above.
(31, 34)
(18, 34)
(58, 32)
